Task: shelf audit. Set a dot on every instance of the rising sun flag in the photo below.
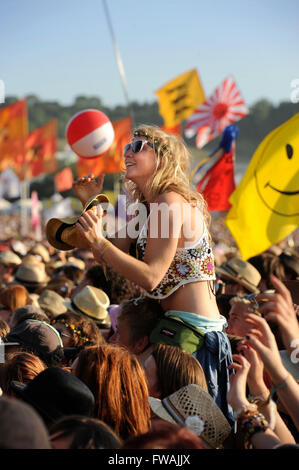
(265, 205)
(224, 107)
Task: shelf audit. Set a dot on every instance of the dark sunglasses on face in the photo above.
(137, 146)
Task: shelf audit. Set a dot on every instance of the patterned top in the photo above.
(192, 264)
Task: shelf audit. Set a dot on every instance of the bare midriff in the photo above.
(194, 297)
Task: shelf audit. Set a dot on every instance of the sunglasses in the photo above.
(137, 146)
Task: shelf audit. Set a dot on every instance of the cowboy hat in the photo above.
(242, 272)
(90, 301)
(193, 407)
(63, 233)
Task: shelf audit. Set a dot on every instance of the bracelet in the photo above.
(107, 245)
(251, 423)
(245, 408)
(280, 385)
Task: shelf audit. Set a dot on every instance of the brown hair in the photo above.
(141, 316)
(14, 296)
(85, 328)
(21, 366)
(164, 435)
(4, 328)
(118, 384)
(177, 368)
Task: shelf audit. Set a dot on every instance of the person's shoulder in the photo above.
(171, 197)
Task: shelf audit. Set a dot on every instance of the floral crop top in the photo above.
(188, 265)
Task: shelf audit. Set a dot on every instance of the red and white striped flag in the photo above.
(224, 107)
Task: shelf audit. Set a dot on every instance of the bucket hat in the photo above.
(63, 234)
(193, 407)
(242, 272)
(32, 275)
(55, 393)
(90, 301)
(9, 258)
(53, 302)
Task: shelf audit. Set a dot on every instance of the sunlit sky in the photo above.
(60, 49)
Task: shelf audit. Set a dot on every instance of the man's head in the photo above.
(135, 322)
(240, 277)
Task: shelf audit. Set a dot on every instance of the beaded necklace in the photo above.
(71, 327)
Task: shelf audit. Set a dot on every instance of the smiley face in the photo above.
(277, 170)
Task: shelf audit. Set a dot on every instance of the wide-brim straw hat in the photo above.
(92, 302)
(242, 272)
(42, 251)
(192, 401)
(63, 234)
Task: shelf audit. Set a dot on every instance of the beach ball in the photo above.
(90, 133)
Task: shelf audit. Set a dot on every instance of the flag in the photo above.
(218, 183)
(35, 216)
(13, 133)
(175, 130)
(9, 184)
(41, 146)
(112, 161)
(64, 180)
(179, 98)
(224, 107)
(265, 205)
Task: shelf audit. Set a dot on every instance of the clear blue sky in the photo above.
(58, 49)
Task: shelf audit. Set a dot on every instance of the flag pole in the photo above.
(119, 62)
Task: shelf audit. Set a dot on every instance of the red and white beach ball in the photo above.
(90, 133)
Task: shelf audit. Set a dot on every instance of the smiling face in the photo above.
(277, 171)
(140, 166)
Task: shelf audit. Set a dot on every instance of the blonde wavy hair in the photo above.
(172, 169)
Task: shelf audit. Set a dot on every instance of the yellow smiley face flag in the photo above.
(265, 205)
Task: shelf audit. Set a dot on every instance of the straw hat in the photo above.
(242, 272)
(193, 407)
(42, 251)
(78, 263)
(90, 301)
(63, 234)
(9, 258)
(53, 302)
(31, 275)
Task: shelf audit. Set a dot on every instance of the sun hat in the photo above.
(19, 247)
(31, 275)
(37, 336)
(90, 301)
(33, 259)
(63, 234)
(9, 258)
(51, 301)
(193, 407)
(21, 427)
(78, 263)
(242, 272)
(55, 393)
(42, 251)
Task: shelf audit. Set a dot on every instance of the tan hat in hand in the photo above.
(63, 233)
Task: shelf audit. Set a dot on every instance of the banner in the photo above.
(179, 98)
(112, 161)
(175, 130)
(224, 107)
(265, 205)
(41, 147)
(13, 133)
(64, 180)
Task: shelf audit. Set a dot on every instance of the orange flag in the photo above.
(13, 133)
(64, 180)
(41, 146)
(112, 161)
(176, 130)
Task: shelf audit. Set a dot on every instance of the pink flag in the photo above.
(224, 107)
(35, 216)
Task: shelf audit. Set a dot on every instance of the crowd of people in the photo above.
(152, 341)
